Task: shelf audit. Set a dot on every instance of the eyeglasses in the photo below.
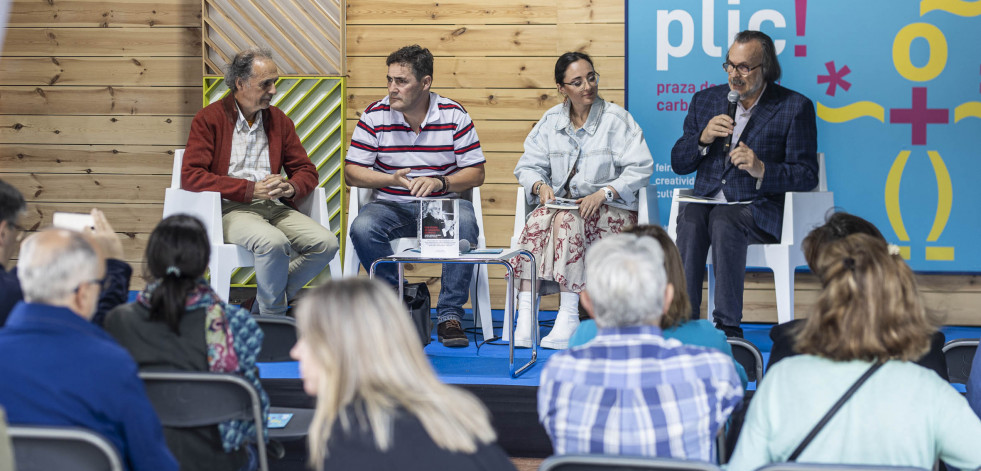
(592, 78)
(743, 69)
(101, 283)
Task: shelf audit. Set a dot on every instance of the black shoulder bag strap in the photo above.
(834, 409)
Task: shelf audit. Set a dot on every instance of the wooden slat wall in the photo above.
(94, 97)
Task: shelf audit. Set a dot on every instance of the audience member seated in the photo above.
(179, 323)
(676, 322)
(60, 369)
(239, 146)
(115, 287)
(630, 391)
(589, 150)
(974, 384)
(839, 225)
(869, 313)
(380, 406)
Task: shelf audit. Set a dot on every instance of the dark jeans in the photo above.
(380, 222)
(728, 230)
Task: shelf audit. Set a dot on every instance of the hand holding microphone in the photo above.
(721, 125)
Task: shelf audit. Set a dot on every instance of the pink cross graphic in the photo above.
(835, 78)
(919, 116)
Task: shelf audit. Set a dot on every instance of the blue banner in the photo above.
(897, 89)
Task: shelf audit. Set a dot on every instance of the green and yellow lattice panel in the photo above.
(317, 107)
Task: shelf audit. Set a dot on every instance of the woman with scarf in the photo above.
(179, 324)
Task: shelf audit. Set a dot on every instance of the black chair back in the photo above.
(749, 356)
(278, 337)
(46, 448)
(191, 399)
(833, 467)
(959, 354)
(621, 463)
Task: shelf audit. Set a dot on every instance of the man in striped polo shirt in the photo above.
(410, 145)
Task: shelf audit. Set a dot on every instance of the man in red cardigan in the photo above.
(239, 147)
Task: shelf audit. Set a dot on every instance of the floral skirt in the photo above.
(558, 239)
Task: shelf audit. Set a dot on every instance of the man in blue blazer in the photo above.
(773, 151)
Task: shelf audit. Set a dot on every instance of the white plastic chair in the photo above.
(522, 209)
(225, 258)
(479, 284)
(802, 212)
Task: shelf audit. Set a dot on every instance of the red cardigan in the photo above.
(209, 149)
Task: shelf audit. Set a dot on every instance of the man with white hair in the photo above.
(58, 368)
(630, 391)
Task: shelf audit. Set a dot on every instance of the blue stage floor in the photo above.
(488, 364)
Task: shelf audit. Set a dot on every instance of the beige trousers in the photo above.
(290, 248)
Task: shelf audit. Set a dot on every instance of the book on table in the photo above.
(439, 235)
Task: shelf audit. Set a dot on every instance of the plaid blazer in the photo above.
(783, 134)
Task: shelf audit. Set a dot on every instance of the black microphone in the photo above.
(733, 97)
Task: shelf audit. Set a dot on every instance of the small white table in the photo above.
(481, 257)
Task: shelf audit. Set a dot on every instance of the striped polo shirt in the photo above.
(446, 143)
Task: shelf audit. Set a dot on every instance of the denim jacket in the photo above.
(608, 150)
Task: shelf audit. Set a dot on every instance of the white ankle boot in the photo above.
(522, 331)
(566, 323)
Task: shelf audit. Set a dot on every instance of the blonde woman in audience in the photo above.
(379, 403)
(869, 312)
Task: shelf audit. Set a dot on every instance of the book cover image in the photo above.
(438, 234)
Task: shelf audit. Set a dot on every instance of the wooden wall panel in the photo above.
(42, 158)
(109, 130)
(103, 101)
(401, 12)
(94, 98)
(485, 72)
(139, 70)
(105, 14)
(118, 42)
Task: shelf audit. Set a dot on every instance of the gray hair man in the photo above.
(239, 146)
(67, 370)
(630, 391)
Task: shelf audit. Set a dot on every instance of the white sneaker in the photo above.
(522, 331)
(566, 323)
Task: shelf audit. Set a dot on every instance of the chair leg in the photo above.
(480, 301)
(783, 283)
(711, 294)
(221, 279)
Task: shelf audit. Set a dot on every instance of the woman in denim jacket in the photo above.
(587, 150)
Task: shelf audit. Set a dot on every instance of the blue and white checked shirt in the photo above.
(632, 392)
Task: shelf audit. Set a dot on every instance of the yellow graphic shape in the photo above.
(971, 109)
(940, 254)
(892, 195)
(945, 196)
(857, 110)
(938, 52)
(957, 7)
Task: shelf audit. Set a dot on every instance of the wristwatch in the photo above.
(609, 194)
